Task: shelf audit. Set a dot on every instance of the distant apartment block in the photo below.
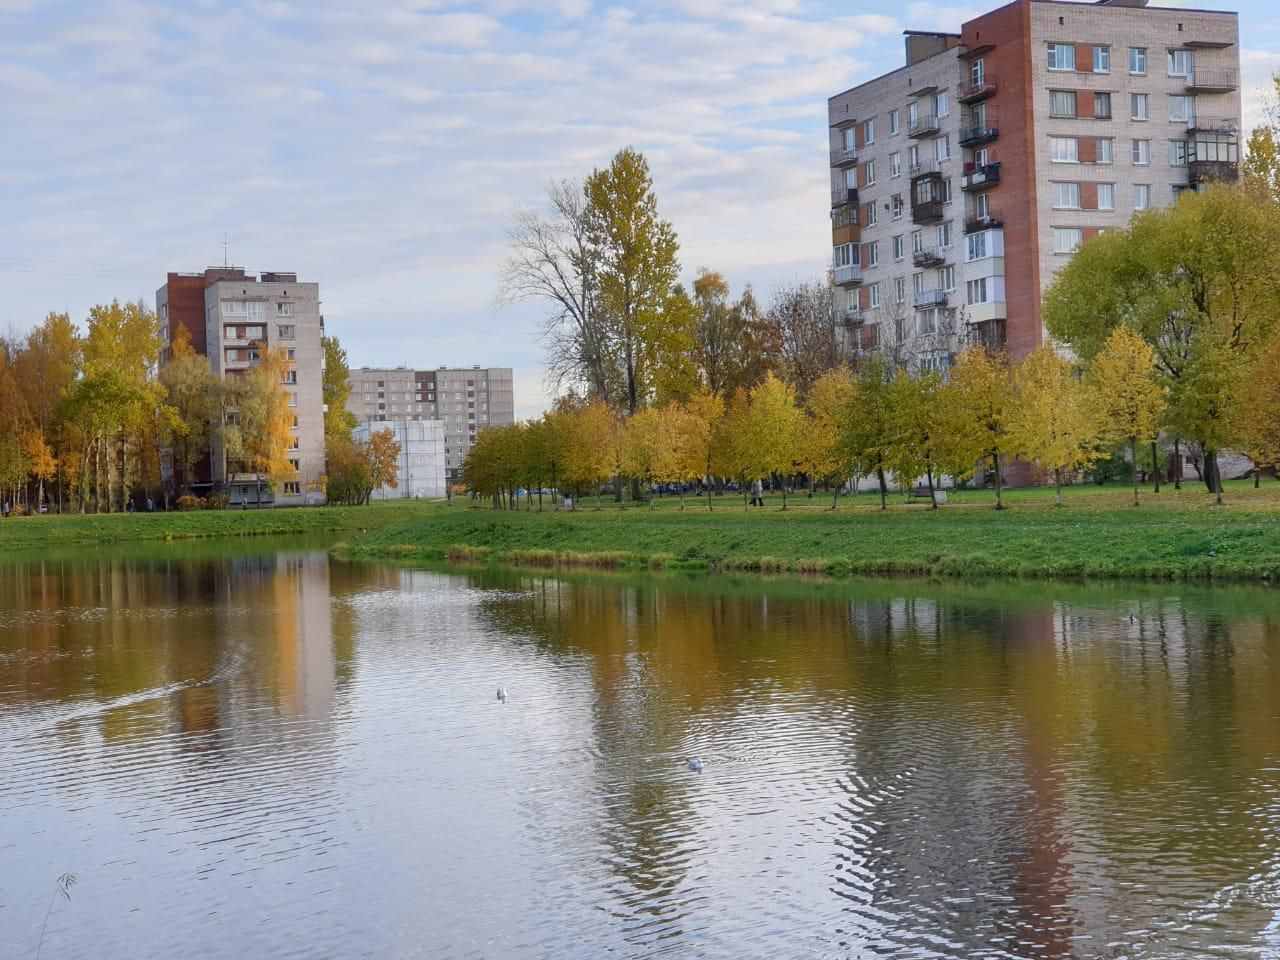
(465, 400)
(232, 317)
(963, 181)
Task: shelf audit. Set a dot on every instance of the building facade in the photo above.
(464, 399)
(232, 317)
(421, 469)
(963, 181)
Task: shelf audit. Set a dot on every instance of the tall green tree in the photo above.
(336, 389)
(1262, 154)
(1199, 282)
(868, 423)
(732, 346)
(915, 417)
(194, 393)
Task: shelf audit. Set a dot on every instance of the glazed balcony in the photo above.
(1216, 171)
(928, 299)
(1214, 126)
(842, 157)
(977, 92)
(990, 334)
(979, 178)
(924, 125)
(929, 257)
(1212, 81)
(977, 136)
(848, 276)
(927, 211)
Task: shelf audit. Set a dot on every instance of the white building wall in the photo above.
(422, 459)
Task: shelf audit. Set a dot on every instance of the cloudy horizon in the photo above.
(381, 154)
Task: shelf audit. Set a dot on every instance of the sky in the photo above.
(380, 147)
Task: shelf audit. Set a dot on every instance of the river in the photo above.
(251, 750)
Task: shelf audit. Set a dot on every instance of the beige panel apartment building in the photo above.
(232, 317)
(464, 399)
(963, 181)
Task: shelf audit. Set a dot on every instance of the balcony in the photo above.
(928, 211)
(980, 313)
(976, 224)
(843, 195)
(929, 257)
(842, 157)
(1212, 81)
(976, 136)
(844, 215)
(1218, 171)
(926, 168)
(1214, 126)
(979, 178)
(977, 92)
(927, 299)
(990, 334)
(925, 125)
(848, 276)
(850, 316)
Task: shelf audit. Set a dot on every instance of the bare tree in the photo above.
(802, 318)
(552, 260)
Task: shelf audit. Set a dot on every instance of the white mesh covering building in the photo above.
(421, 457)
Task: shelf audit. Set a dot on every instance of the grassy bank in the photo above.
(1175, 535)
(74, 530)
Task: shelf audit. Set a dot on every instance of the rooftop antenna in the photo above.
(225, 243)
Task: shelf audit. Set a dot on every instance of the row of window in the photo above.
(233, 331)
(253, 309)
(979, 290)
(940, 103)
(1217, 148)
(1062, 56)
(1065, 104)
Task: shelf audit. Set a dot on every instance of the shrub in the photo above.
(215, 501)
(188, 502)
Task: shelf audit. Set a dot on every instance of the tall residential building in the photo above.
(464, 399)
(963, 181)
(231, 316)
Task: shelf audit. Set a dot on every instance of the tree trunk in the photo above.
(1155, 463)
(783, 483)
(1217, 480)
(1210, 469)
(835, 495)
(1257, 477)
(1133, 451)
(995, 460)
(933, 499)
(1057, 487)
(884, 490)
(1177, 464)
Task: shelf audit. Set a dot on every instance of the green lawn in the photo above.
(1174, 535)
(70, 530)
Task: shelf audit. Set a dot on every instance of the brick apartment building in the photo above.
(963, 181)
(231, 316)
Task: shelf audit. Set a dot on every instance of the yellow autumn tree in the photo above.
(259, 438)
(914, 405)
(1127, 393)
(589, 447)
(774, 428)
(706, 415)
(655, 446)
(825, 454)
(1053, 420)
(976, 407)
(1256, 413)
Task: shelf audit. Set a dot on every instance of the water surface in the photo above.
(253, 751)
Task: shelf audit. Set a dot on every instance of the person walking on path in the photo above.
(757, 493)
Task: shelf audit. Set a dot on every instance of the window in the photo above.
(1106, 196)
(944, 191)
(850, 139)
(1142, 152)
(869, 172)
(942, 148)
(1062, 103)
(917, 283)
(851, 178)
(895, 123)
(873, 254)
(913, 157)
(1101, 59)
(1138, 108)
(982, 205)
(1102, 106)
(1177, 153)
(845, 255)
(917, 241)
(895, 164)
(928, 322)
(895, 203)
(1067, 196)
(944, 234)
(284, 309)
(292, 488)
(1138, 60)
(873, 296)
(290, 376)
(1106, 151)
(1066, 239)
(1062, 56)
(976, 290)
(941, 104)
(899, 248)
(978, 72)
(900, 290)
(868, 131)
(947, 278)
(1182, 109)
(1064, 150)
(292, 354)
(976, 246)
(872, 214)
(293, 399)
(1181, 63)
(913, 114)
(286, 331)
